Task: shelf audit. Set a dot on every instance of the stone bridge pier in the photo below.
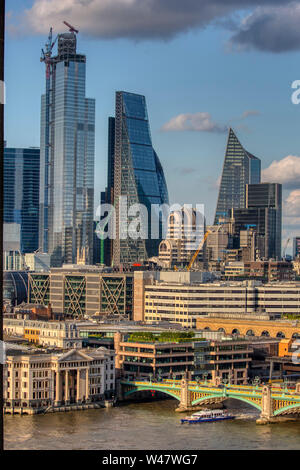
(185, 396)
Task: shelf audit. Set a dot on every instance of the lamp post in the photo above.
(174, 377)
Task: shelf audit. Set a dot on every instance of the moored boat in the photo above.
(205, 416)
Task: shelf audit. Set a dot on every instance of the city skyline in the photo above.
(190, 106)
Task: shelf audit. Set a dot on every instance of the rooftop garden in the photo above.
(291, 316)
(165, 337)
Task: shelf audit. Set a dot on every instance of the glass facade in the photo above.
(15, 287)
(67, 158)
(268, 196)
(138, 174)
(21, 181)
(240, 168)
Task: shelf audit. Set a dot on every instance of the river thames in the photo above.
(151, 425)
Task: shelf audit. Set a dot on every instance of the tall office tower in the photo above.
(67, 157)
(240, 168)
(296, 247)
(138, 175)
(263, 214)
(268, 195)
(21, 180)
(107, 196)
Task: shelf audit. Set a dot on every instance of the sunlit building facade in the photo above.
(240, 168)
(67, 158)
(21, 181)
(137, 174)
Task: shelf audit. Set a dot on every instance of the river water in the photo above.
(151, 425)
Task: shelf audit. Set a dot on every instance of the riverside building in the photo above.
(33, 382)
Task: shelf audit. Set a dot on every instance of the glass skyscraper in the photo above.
(21, 177)
(263, 213)
(136, 173)
(240, 168)
(67, 158)
(269, 196)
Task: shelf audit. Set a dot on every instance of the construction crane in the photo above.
(285, 247)
(198, 250)
(71, 28)
(46, 54)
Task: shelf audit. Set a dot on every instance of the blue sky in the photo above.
(192, 70)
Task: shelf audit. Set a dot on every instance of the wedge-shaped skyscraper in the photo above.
(240, 168)
(138, 175)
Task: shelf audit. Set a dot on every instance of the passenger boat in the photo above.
(205, 416)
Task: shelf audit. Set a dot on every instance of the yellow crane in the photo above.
(198, 250)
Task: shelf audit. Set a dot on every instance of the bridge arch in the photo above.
(157, 389)
(229, 395)
(282, 410)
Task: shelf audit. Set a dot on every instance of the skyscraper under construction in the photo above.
(67, 155)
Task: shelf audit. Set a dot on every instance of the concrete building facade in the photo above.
(33, 382)
(184, 303)
(77, 291)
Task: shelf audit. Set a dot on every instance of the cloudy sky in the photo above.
(203, 65)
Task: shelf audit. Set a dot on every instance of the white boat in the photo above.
(205, 416)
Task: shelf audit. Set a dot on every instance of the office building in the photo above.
(240, 168)
(67, 158)
(15, 287)
(34, 382)
(268, 196)
(13, 261)
(185, 231)
(296, 247)
(79, 291)
(37, 262)
(138, 358)
(168, 359)
(138, 176)
(57, 334)
(21, 176)
(184, 302)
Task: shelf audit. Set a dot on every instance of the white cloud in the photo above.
(134, 19)
(285, 171)
(292, 206)
(251, 112)
(200, 122)
(270, 28)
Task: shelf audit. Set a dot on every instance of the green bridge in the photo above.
(271, 401)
